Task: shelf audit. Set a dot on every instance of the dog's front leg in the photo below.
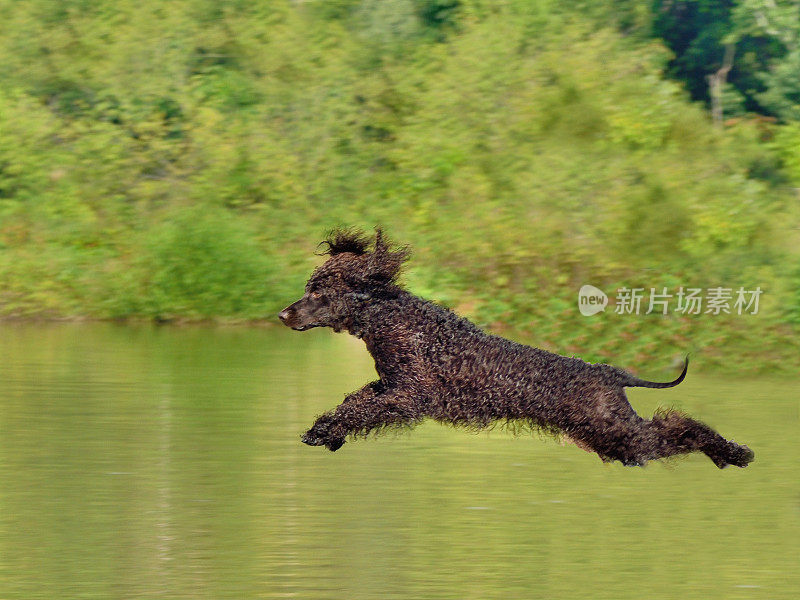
(326, 431)
(370, 407)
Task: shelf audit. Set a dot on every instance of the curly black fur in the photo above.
(433, 363)
(345, 240)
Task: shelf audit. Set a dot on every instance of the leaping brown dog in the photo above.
(433, 363)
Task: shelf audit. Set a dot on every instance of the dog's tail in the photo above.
(632, 381)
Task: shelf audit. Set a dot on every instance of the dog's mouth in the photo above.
(305, 327)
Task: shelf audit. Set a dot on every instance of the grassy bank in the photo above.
(184, 167)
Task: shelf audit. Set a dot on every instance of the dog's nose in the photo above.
(283, 315)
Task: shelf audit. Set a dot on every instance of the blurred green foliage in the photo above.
(180, 160)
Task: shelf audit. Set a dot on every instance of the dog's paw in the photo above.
(334, 444)
(734, 454)
(325, 432)
(312, 439)
(740, 456)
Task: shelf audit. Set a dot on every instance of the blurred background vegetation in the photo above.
(180, 160)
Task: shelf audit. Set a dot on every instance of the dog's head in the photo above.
(353, 276)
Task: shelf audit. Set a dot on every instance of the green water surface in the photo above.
(145, 462)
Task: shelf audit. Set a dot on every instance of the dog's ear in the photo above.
(385, 262)
(338, 241)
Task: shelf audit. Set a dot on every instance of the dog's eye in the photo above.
(315, 295)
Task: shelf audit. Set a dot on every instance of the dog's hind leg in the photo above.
(672, 432)
(609, 426)
(369, 408)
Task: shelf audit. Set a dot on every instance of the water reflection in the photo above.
(140, 462)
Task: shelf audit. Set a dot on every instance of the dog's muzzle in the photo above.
(288, 317)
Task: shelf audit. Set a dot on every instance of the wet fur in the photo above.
(433, 363)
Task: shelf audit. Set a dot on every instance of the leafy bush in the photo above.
(202, 262)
